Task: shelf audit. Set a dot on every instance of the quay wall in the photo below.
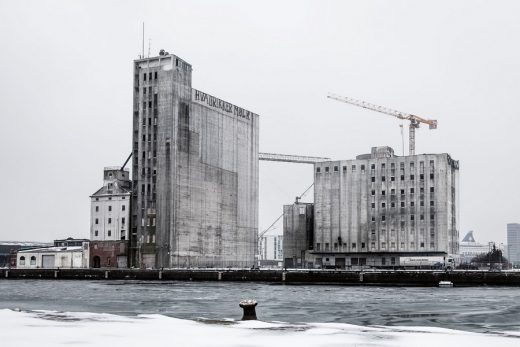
(371, 278)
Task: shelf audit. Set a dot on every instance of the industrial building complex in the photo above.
(191, 196)
(376, 208)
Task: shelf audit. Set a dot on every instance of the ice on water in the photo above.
(51, 328)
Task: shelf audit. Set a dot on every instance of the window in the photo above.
(383, 192)
(362, 168)
(144, 76)
(109, 220)
(335, 246)
(421, 217)
(344, 168)
(383, 245)
(392, 191)
(402, 177)
(353, 168)
(383, 205)
(326, 169)
(362, 245)
(402, 191)
(335, 169)
(383, 261)
(353, 245)
(383, 218)
(422, 244)
(33, 260)
(383, 178)
(318, 170)
(412, 217)
(373, 192)
(412, 177)
(155, 75)
(326, 246)
(392, 244)
(97, 208)
(96, 233)
(123, 207)
(432, 216)
(318, 247)
(373, 219)
(431, 203)
(109, 208)
(402, 244)
(402, 203)
(421, 176)
(373, 205)
(373, 179)
(123, 235)
(123, 220)
(97, 221)
(150, 76)
(392, 205)
(412, 204)
(373, 245)
(431, 176)
(22, 260)
(421, 203)
(97, 199)
(432, 190)
(109, 233)
(412, 190)
(392, 178)
(432, 245)
(373, 167)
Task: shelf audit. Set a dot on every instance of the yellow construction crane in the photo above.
(414, 120)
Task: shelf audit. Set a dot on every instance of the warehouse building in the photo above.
(378, 207)
(110, 219)
(195, 172)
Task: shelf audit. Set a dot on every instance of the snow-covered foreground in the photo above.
(46, 328)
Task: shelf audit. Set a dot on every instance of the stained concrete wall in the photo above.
(298, 225)
(195, 172)
(373, 204)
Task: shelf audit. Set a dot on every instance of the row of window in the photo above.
(392, 204)
(109, 233)
(372, 246)
(123, 208)
(123, 220)
(392, 191)
(383, 167)
(150, 76)
(32, 260)
(110, 198)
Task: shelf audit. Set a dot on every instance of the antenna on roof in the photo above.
(149, 45)
(142, 52)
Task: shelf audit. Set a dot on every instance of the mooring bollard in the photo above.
(249, 309)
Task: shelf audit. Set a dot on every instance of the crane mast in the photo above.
(414, 120)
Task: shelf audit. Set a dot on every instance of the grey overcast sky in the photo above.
(66, 93)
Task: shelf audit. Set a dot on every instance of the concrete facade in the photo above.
(298, 230)
(110, 206)
(513, 243)
(382, 205)
(195, 172)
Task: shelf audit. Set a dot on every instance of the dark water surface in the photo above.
(480, 309)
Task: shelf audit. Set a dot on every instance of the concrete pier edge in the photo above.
(368, 278)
